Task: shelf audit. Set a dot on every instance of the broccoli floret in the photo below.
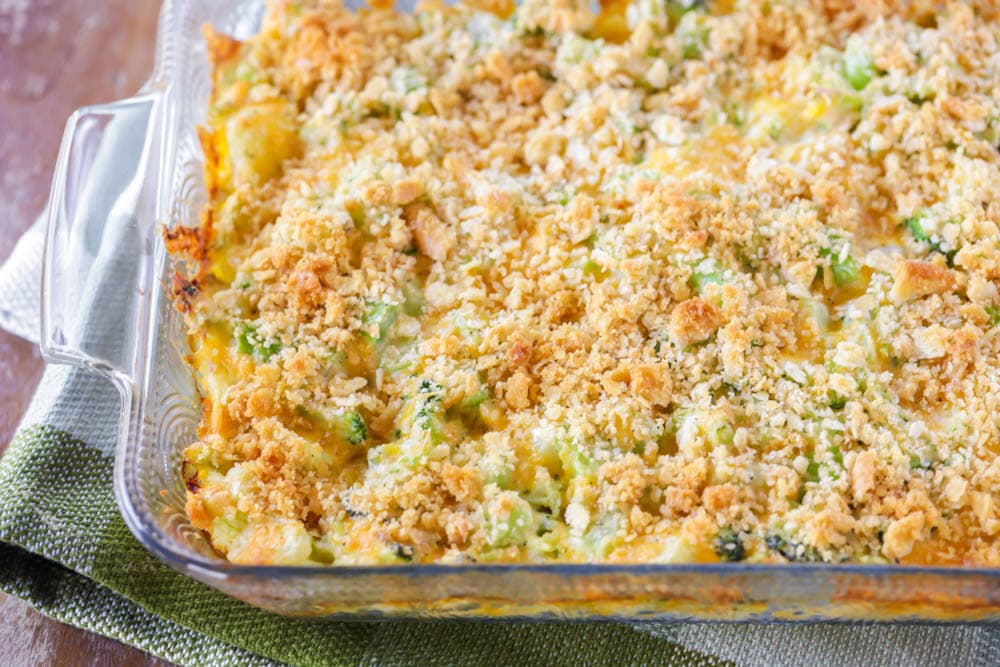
(838, 456)
(475, 399)
(812, 470)
(797, 553)
(699, 279)
(403, 552)
(249, 341)
(427, 414)
(924, 459)
(678, 417)
(592, 268)
(859, 69)
(678, 8)
(845, 271)
(693, 43)
(413, 299)
(729, 546)
(350, 426)
(721, 435)
(429, 387)
(381, 317)
(916, 227)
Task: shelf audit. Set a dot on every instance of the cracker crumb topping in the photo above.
(673, 282)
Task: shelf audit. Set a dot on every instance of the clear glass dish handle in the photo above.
(102, 217)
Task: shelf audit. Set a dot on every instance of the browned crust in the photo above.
(917, 278)
(192, 243)
(221, 47)
(694, 320)
(207, 140)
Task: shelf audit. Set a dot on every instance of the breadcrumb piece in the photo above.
(914, 278)
(901, 535)
(694, 320)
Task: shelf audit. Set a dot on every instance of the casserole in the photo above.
(160, 412)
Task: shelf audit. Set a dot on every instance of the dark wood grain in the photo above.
(55, 56)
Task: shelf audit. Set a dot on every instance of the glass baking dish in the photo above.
(128, 168)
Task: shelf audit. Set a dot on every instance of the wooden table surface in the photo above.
(55, 56)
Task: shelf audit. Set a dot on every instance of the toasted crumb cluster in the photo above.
(674, 282)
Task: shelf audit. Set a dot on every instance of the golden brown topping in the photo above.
(719, 498)
(564, 306)
(693, 321)
(403, 192)
(902, 534)
(518, 388)
(652, 382)
(220, 47)
(528, 87)
(916, 278)
(643, 286)
(432, 237)
(863, 473)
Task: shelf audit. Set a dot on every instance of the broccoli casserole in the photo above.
(669, 282)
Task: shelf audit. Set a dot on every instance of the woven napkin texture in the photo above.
(19, 275)
(65, 549)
